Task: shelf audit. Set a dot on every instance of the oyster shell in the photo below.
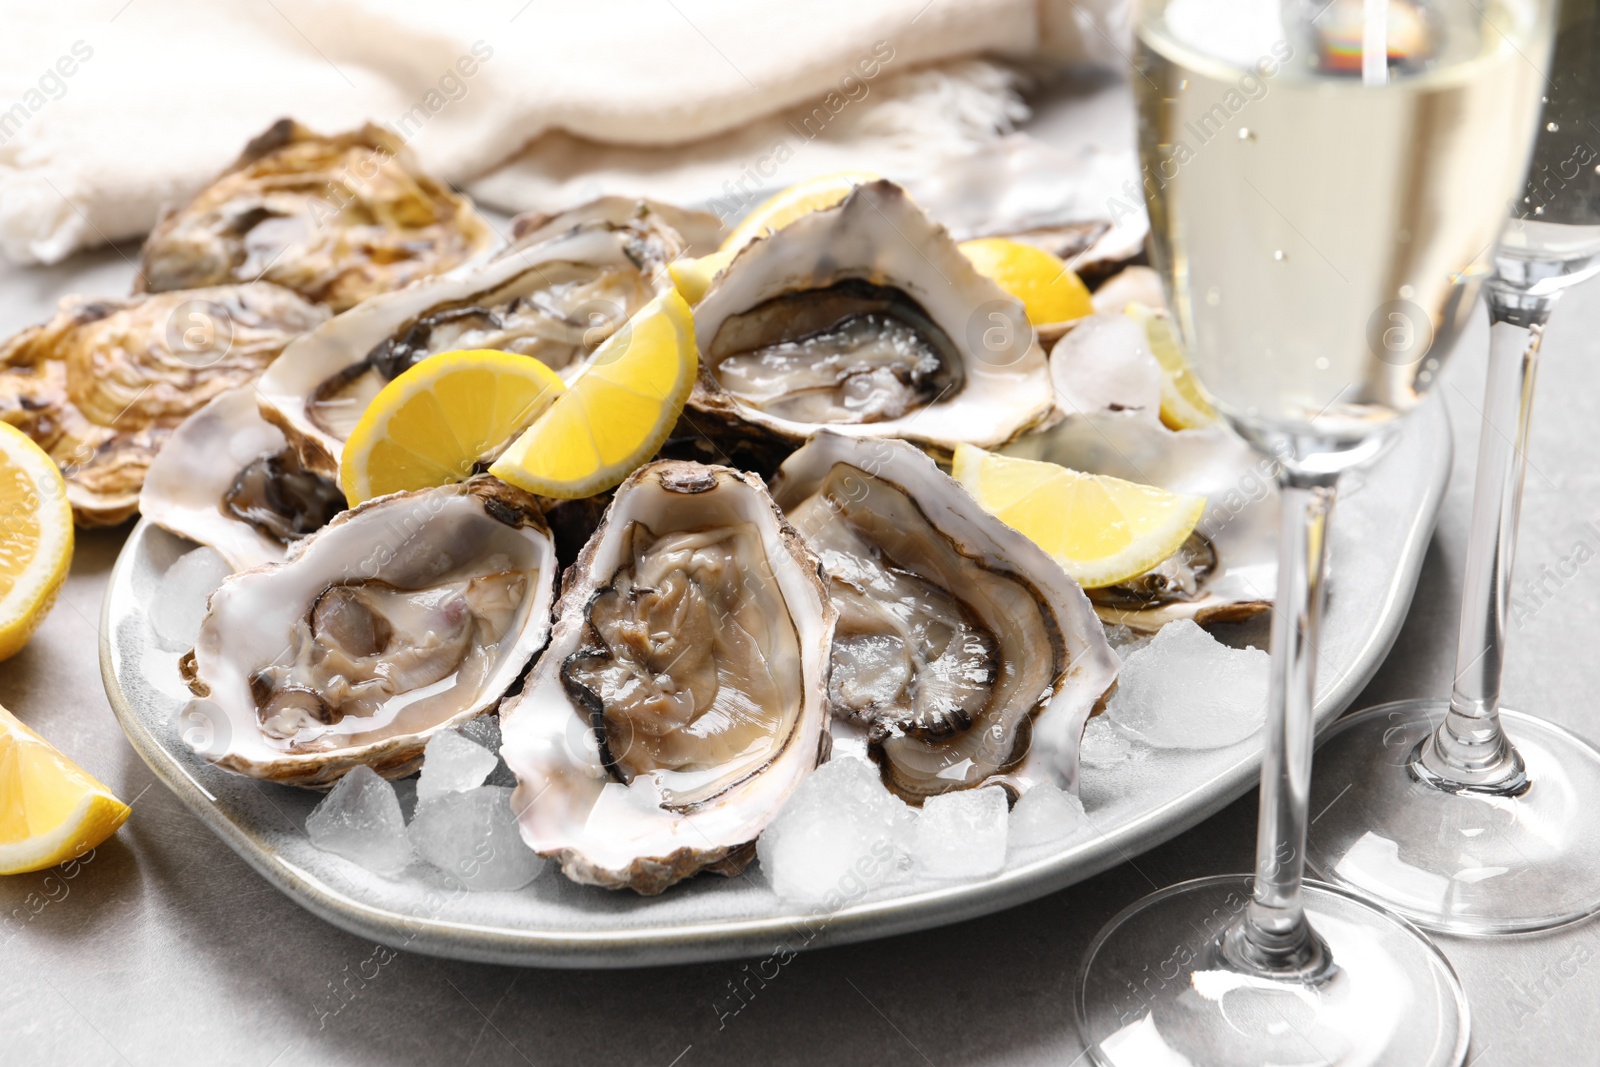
(336, 218)
(700, 232)
(684, 693)
(554, 296)
(227, 478)
(403, 616)
(101, 384)
(962, 649)
(865, 318)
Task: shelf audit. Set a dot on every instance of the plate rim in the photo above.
(703, 941)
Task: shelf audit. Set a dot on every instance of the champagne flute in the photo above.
(1325, 179)
(1439, 815)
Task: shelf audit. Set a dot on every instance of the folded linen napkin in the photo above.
(111, 109)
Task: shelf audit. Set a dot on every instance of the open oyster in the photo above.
(684, 693)
(101, 384)
(337, 219)
(962, 649)
(554, 296)
(227, 478)
(408, 614)
(866, 318)
(700, 232)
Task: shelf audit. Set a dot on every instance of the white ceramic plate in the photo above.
(1380, 533)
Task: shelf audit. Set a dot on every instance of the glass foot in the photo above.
(1155, 989)
(1462, 862)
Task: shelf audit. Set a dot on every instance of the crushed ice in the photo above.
(360, 820)
(473, 835)
(452, 764)
(180, 598)
(840, 835)
(1186, 689)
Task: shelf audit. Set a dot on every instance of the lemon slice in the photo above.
(1101, 530)
(51, 811)
(693, 276)
(1049, 289)
(35, 537)
(1183, 405)
(801, 198)
(438, 420)
(617, 415)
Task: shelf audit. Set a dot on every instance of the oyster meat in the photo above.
(403, 616)
(227, 478)
(337, 219)
(867, 319)
(965, 653)
(101, 385)
(553, 296)
(684, 692)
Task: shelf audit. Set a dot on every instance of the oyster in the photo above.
(403, 616)
(700, 232)
(684, 693)
(866, 318)
(101, 384)
(227, 478)
(555, 296)
(962, 649)
(337, 219)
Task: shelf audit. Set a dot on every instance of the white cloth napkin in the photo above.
(111, 109)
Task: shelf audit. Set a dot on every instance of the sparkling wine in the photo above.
(1553, 239)
(1347, 208)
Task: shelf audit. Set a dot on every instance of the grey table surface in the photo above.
(166, 948)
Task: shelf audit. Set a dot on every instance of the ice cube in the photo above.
(1102, 745)
(180, 597)
(1124, 641)
(452, 764)
(1045, 815)
(1186, 689)
(360, 820)
(961, 834)
(473, 836)
(839, 835)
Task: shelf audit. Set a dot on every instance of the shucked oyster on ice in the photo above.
(866, 318)
(227, 478)
(403, 616)
(335, 218)
(554, 296)
(962, 649)
(684, 693)
(101, 384)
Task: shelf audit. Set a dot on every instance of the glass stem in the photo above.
(1469, 752)
(1274, 937)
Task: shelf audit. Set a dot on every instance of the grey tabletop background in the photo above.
(165, 948)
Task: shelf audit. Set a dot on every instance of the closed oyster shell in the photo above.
(684, 693)
(404, 616)
(335, 218)
(101, 384)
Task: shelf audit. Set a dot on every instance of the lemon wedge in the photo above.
(438, 420)
(617, 414)
(1049, 289)
(1101, 530)
(51, 811)
(693, 276)
(35, 537)
(1183, 405)
(801, 198)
